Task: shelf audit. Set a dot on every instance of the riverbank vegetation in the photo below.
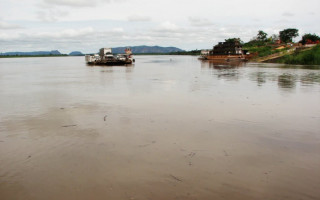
(282, 45)
(308, 57)
(262, 45)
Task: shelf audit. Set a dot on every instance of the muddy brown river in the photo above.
(167, 127)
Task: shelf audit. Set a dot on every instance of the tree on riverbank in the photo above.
(259, 40)
(234, 40)
(261, 36)
(310, 39)
(287, 35)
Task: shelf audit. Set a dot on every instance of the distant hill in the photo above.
(76, 53)
(33, 53)
(147, 49)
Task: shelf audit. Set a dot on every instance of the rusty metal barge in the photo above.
(226, 51)
(105, 57)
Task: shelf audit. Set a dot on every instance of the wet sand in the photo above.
(166, 128)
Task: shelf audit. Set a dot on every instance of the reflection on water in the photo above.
(167, 127)
(110, 69)
(221, 64)
(224, 69)
(286, 80)
(310, 78)
(261, 78)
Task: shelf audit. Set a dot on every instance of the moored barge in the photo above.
(105, 57)
(230, 50)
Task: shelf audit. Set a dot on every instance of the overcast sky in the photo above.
(87, 25)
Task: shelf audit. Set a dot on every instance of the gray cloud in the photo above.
(79, 3)
(5, 25)
(198, 25)
(73, 3)
(284, 22)
(55, 10)
(288, 14)
(62, 35)
(195, 21)
(90, 39)
(138, 18)
(51, 15)
(168, 27)
(66, 40)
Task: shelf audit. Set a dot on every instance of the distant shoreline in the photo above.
(64, 55)
(23, 56)
(308, 56)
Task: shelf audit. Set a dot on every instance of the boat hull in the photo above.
(110, 63)
(225, 57)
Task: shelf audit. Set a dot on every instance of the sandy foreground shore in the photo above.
(92, 152)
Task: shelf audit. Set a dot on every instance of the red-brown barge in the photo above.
(226, 51)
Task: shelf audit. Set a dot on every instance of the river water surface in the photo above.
(167, 127)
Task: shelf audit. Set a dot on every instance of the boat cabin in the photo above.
(227, 48)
